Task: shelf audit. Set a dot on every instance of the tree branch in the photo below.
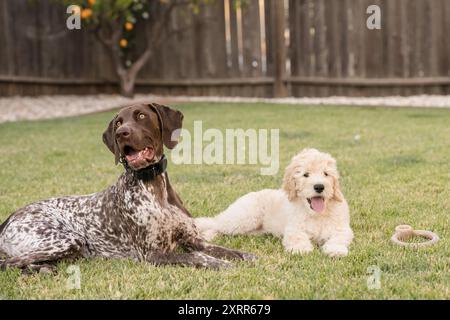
(155, 36)
(141, 61)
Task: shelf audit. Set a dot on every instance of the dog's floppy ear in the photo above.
(171, 122)
(332, 169)
(337, 194)
(289, 182)
(109, 138)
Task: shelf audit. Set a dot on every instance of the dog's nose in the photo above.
(319, 187)
(123, 132)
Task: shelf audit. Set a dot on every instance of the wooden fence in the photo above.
(332, 51)
(265, 48)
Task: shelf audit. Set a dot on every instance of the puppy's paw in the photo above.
(335, 250)
(300, 248)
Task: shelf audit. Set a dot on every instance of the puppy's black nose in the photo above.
(123, 132)
(319, 187)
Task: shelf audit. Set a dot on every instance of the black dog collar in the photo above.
(150, 172)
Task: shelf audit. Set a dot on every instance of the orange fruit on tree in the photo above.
(123, 43)
(91, 2)
(86, 13)
(129, 26)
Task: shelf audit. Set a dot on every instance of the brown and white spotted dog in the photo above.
(140, 217)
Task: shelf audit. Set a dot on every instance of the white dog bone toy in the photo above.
(405, 232)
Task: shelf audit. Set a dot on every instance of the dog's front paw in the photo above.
(300, 248)
(335, 250)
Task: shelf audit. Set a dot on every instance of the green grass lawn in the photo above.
(397, 172)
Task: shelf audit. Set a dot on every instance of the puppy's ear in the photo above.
(289, 185)
(171, 122)
(337, 194)
(109, 138)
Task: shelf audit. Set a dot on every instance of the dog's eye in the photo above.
(326, 174)
(118, 124)
(306, 175)
(141, 116)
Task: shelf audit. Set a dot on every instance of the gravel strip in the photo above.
(428, 101)
(47, 107)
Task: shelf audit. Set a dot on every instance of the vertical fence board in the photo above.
(234, 46)
(437, 46)
(374, 45)
(170, 58)
(333, 11)
(306, 18)
(293, 54)
(445, 71)
(270, 45)
(185, 40)
(311, 34)
(6, 60)
(357, 58)
(397, 41)
(351, 43)
(22, 53)
(425, 39)
(252, 39)
(303, 35)
(404, 49)
(320, 45)
(418, 38)
(214, 43)
(410, 16)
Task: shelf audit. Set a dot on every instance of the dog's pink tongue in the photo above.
(132, 156)
(318, 204)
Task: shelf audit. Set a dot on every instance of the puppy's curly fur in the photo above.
(310, 208)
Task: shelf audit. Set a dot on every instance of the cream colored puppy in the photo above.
(310, 208)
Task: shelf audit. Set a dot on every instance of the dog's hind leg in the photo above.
(244, 216)
(41, 254)
(43, 260)
(33, 239)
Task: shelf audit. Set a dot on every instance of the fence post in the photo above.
(278, 17)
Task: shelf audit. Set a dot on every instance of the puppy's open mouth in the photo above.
(138, 159)
(317, 204)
